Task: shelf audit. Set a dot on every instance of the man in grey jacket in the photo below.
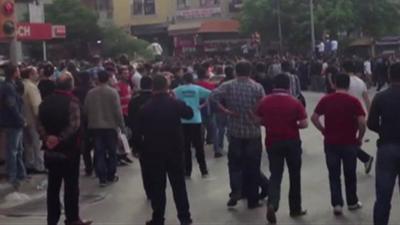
(103, 110)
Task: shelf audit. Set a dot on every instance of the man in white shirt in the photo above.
(359, 90)
(136, 78)
(156, 49)
(368, 71)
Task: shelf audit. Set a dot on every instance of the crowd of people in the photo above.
(51, 115)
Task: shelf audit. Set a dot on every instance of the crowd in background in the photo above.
(97, 110)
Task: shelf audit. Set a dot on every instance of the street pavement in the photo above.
(125, 203)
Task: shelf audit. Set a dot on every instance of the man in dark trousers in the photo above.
(384, 119)
(343, 129)
(283, 116)
(145, 94)
(59, 123)
(161, 137)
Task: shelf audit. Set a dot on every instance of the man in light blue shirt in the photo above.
(191, 94)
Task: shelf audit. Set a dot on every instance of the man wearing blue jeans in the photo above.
(240, 97)
(343, 130)
(12, 120)
(384, 119)
(104, 113)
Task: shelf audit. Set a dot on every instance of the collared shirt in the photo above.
(241, 96)
(32, 100)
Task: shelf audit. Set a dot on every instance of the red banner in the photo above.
(34, 31)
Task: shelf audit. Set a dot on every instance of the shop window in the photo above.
(183, 4)
(143, 7)
(209, 3)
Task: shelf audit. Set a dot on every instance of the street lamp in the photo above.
(312, 27)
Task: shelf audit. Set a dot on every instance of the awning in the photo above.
(149, 29)
(184, 28)
(220, 26)
(362, 42)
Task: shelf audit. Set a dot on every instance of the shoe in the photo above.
(264, 193)
(88, 173)
(127, 159)
(355, 207)
(271, 217)
(115, 179)
(187, 222)
(122, 163)
(338, 210)
(152, 222)
(254, 205)
(298, 213)
(368, 165)
(205, 175)
(218, 155)
(103, 184)
(79, 222)
(232, 202)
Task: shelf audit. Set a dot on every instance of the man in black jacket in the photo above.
(160, 135)
(59, 123)
(145, 94)
(384, 119)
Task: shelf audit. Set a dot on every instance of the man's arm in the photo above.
(361, 128)
(185, 111)
(366, 99)
(374, 116)
(315, 118)
(35, 99)
(119, 118)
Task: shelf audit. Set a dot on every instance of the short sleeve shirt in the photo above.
(341, 112)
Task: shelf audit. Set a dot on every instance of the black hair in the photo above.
(188, 78)
(25, 73)
(146, 83)
(229, 72)
(9, 70)
(103, 76)
(261, 67)
(243, 69)
(48, 70)
(201, 73)
(342, 81)
(349, 66)
(395, 72)
(84, 78)
(282, 81)
(286, 67)
(160, 83)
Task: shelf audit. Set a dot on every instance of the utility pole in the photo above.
(313, 44)
(278, 8)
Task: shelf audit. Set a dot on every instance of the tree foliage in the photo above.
(356, 17)
(80, 21)
(116, 41)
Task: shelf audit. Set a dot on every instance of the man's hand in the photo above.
(360, 141)
(52, 142)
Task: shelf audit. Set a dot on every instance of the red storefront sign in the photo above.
(34, 31)
(40, 31)
(59, 31)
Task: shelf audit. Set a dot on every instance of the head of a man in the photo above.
(30, 73)
(146, 83)
(103, 77)
(243, 69)
(395, 73)
(11, 72)
(160, 84)
(65, 82)
(188, 78)
(349, 66)
(124, 72)
(342, 81)
(282, 81)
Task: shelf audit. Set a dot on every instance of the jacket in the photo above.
(11, 106)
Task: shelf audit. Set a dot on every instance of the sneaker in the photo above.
(205, 175)
(152, 222)
(115, 179)
(232, 202)
(338, 210)
(103, 184)
(254, 205)
(79, 222)
(218, 155)
(298, 213)
(355, 207)
(271, 216)
(368, 165)
(187, 222)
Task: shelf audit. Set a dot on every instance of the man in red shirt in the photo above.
(344, 129)
(283, 116)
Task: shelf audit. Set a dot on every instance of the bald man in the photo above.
(59, 122)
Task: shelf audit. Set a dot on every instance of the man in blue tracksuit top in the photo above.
(192, 94)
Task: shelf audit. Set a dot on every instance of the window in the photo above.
(143, 7)
(209, 3)
(183, 4)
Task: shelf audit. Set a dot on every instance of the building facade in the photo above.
(181, 25)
